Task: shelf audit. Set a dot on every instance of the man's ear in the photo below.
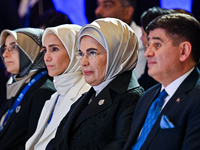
(128, 13)
(185, 50)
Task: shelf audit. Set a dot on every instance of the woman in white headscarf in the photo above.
(108, 54)
(27, 89)
(60, 46)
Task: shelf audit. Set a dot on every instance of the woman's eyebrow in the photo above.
(10, 44)
(52, 45)
(91, 49)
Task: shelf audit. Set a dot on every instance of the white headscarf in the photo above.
(120, 42)
(67, 34)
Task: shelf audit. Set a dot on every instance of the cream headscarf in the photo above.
(30, 56)
(67, 34)
(120, 42)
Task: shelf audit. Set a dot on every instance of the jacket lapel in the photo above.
(173, 104)
(75, 111)
(64, 107)
(99, 103)
(44, 118)
(104, 100)
(140, 116)
(81, 110)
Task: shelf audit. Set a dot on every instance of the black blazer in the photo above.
(21, 125)
(105, 122)
(183, 110)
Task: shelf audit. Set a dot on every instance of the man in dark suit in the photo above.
(172, 55)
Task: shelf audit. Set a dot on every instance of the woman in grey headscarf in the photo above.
(108, 54)
(60, 46)
(27, 89)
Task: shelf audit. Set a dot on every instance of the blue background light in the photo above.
(75, 9)
(170, 4)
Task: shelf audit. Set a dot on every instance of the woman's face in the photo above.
(11, 55)
(56, 57)
(94, 68)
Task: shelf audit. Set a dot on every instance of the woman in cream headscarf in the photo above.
(108, 54)
(60, 47)
(28, 87)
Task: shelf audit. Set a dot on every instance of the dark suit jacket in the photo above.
(183, 110)
(21, 125)
(99, 125)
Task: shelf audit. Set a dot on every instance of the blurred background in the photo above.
(82, 11)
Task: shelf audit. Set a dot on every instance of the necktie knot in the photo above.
(162, 94)
(161, 98)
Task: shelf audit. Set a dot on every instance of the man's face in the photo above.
(163, 57)
(110, 8)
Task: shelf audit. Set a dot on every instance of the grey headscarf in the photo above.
(29, 45)
(29, 41)
(118, 39)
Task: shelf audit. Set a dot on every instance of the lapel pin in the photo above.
(178, 100)
(17, 109)
(101, 102)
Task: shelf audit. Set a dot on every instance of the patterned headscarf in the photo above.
(118, 39)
